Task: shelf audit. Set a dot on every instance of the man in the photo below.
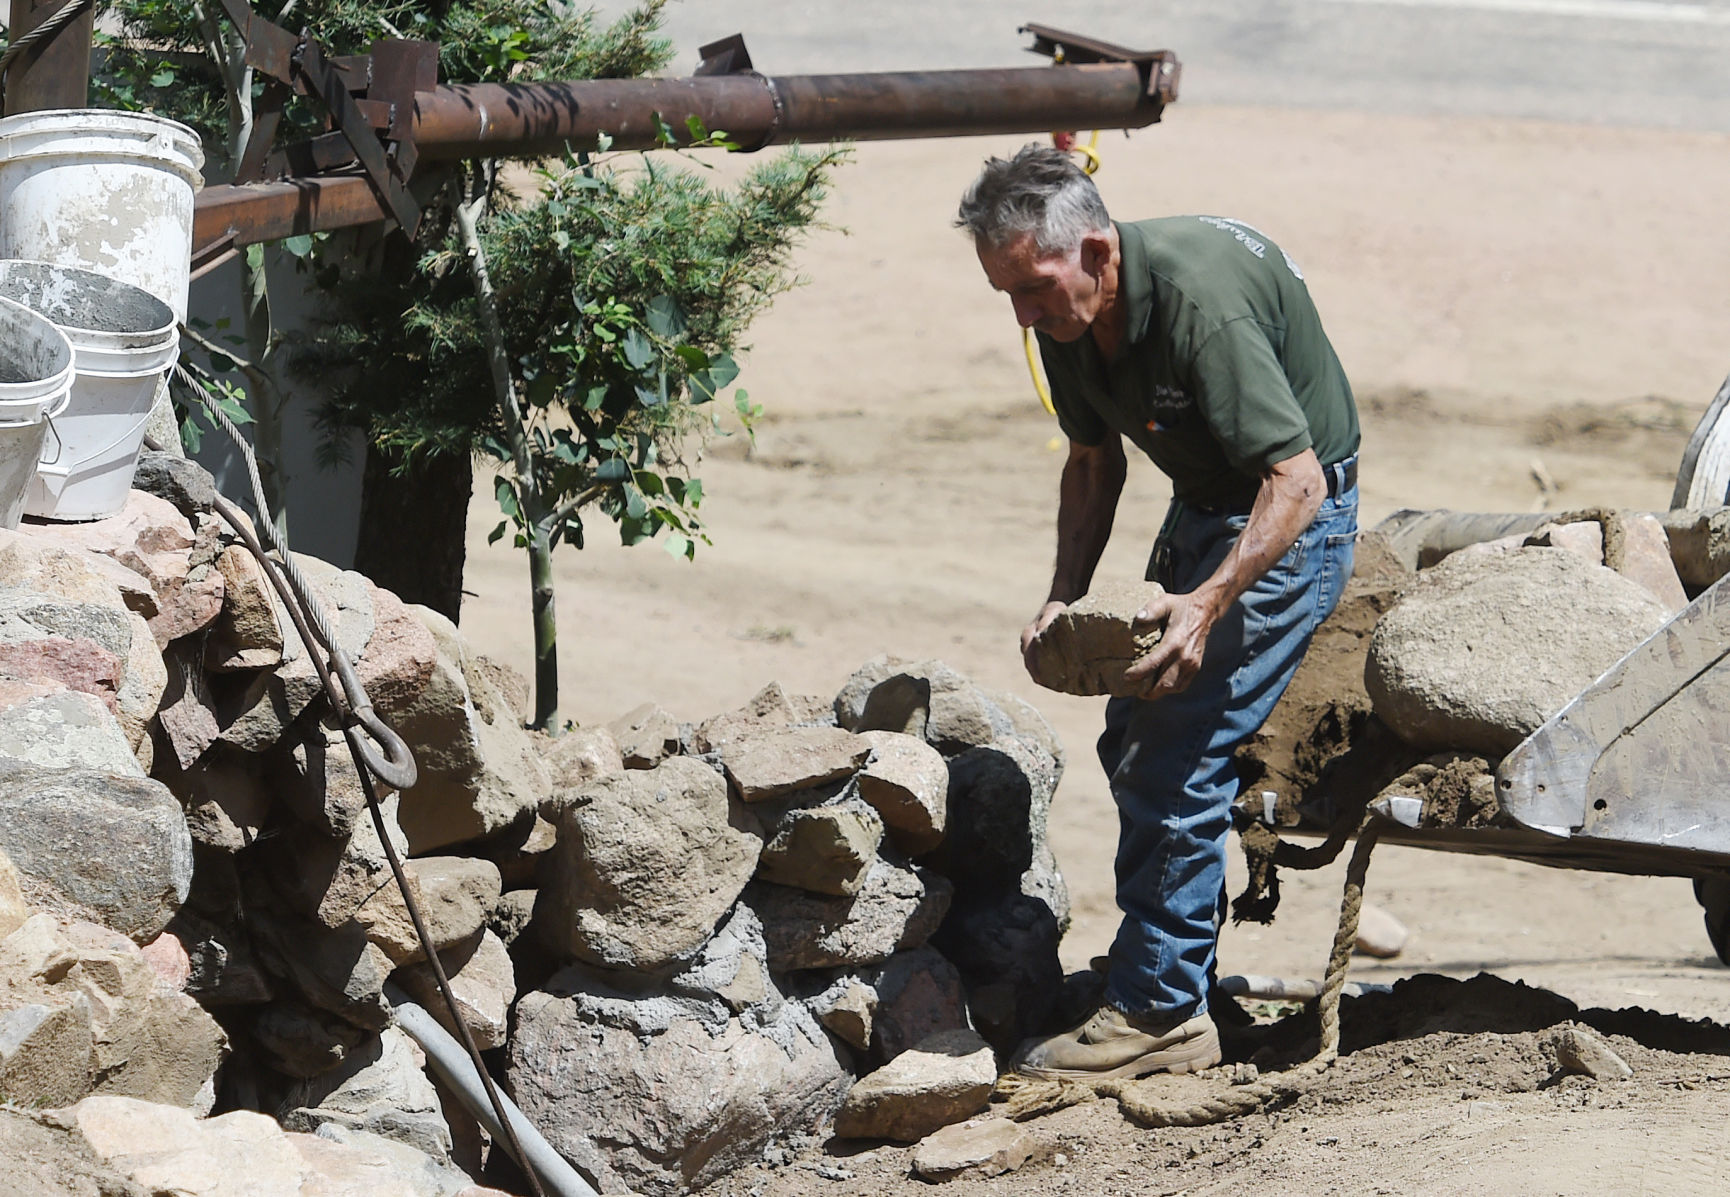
(1195, 339)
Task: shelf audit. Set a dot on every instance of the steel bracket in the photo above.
(386, 81)
(1160, 70)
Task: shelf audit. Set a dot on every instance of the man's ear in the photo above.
(1095, 253)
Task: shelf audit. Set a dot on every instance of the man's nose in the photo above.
(1027, 312)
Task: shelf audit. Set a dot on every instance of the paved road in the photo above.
(1632, 62)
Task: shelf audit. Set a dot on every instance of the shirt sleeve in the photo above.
(1246, 399)
(1075, 416)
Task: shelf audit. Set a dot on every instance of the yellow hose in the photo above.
(1039, 387)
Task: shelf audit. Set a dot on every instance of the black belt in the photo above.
(1342, 476)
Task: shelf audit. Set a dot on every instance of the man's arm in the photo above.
(1290, 495)
(1086, 505)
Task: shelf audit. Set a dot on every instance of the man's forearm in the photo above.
(1087, 505)
(1290, 495)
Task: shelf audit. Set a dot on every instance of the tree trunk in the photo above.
(412, 528)
(546, 633)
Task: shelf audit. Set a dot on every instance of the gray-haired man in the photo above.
(1194, 338)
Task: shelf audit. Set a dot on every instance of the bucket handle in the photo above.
(59, 445)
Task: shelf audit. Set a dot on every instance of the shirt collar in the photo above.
(1134, 283)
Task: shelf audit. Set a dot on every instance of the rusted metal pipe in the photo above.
(536, 120)
(503, 120)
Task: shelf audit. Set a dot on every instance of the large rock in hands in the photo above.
(1088, 646)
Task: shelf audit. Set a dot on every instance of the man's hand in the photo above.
(1040, 622)
(1174, 661)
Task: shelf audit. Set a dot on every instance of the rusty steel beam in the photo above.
(536, 120)
(503, 120)
(243, 214)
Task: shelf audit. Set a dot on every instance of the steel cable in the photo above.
(314, 628)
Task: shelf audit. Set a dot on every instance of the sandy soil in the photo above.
(1532, 314)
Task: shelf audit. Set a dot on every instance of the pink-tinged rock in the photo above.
(81, 665)
(1380, 934)
(246, 634)
(1584, 538)
(187, 715)
(919, 994)
(479, 775)
(167, 956)
(143, 1040)
(1646, 560)
(31, 559)
(151, 538)
(397, 662)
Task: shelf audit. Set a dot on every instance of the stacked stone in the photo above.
(717, 929)
(739, 918)
(197, 870)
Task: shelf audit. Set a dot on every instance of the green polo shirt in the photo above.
(1225, 369)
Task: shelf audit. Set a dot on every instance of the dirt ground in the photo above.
(1531, 314)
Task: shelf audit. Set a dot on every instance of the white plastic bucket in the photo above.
(102, 190)
(35, 385)
(123, 340)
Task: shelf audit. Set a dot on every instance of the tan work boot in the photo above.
(1114, 1045)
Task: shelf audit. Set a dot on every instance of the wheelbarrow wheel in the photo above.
(1713, 894)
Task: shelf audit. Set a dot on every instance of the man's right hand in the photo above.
(1030, 633)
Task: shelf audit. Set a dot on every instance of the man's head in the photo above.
(1044, 238)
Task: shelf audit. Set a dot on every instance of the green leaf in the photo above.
(542, 390)
(506, 494)
(680, 546)
(162, 78)
(255, 256)
(638, 349)
(494, 536)
(664, 318)
(694, 125)
(706, 384)
(693, 358)
(650, 483)
(612, 470)
(635, 506)
(299, 246)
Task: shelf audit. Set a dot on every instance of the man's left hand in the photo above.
(1176, 659)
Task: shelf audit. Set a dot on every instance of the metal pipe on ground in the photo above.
(452, 1064)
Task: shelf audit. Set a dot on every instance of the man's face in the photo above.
(1056, 294)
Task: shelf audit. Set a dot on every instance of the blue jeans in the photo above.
(1170, 760)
